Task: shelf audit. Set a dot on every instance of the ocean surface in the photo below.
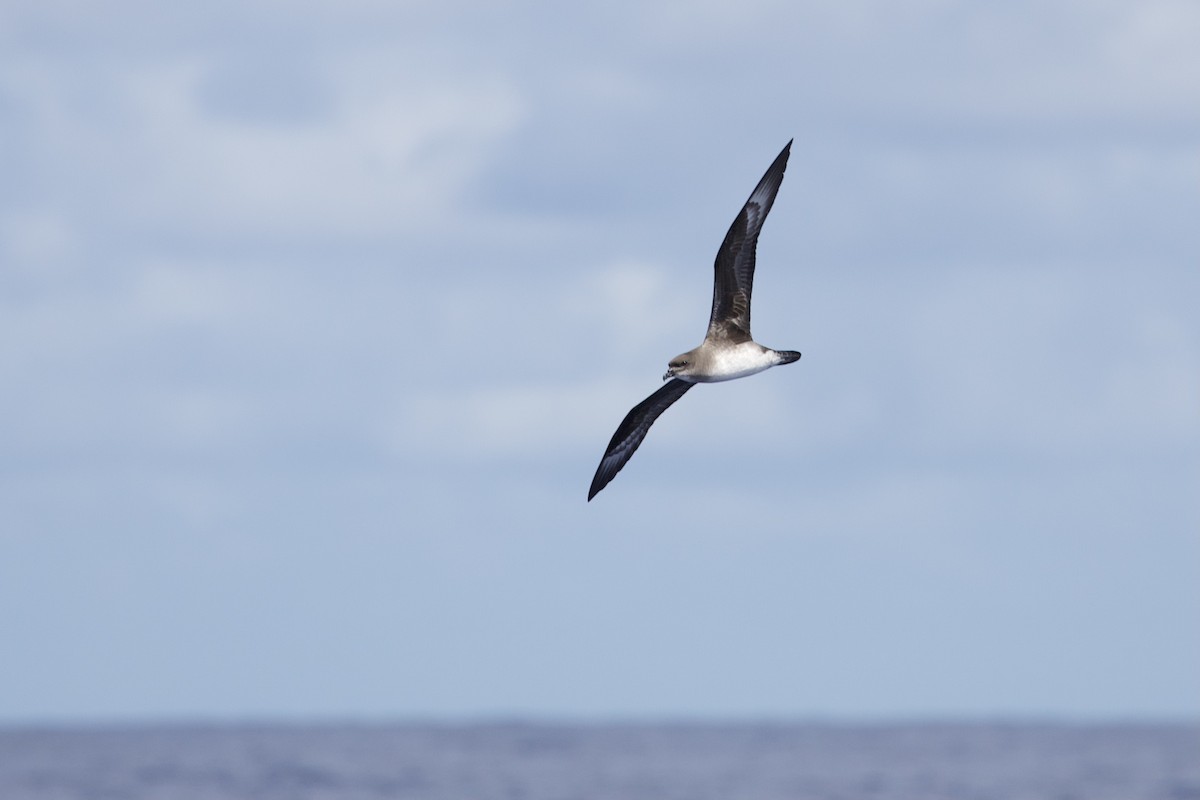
(517, 761)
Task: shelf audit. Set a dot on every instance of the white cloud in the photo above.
(571, 359)
(500, 422)
(393, 154)
(34, 241)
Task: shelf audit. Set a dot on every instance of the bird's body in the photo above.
(728, 350)
(723, 361)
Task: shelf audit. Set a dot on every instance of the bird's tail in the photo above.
(787, 356)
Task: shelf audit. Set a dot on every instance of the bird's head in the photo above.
(681, 366)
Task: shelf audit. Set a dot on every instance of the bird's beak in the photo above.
(669, 374)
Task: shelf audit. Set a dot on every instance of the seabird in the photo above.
(728, 351)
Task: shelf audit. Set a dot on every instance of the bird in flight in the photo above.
(728, 351)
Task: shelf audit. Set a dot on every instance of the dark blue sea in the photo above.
(600, 761)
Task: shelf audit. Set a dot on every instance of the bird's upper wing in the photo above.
(633, 430)
(734, 268)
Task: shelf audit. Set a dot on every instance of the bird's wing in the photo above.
(633, 430)
(734, 268)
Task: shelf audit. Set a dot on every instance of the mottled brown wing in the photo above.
(733, 278)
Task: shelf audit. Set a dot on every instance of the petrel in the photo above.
(728, 351)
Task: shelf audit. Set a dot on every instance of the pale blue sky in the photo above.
(315, 319)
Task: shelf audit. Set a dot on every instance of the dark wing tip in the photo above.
(781, 159)
(601, 479)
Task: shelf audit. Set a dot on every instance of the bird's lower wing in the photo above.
(633, 430)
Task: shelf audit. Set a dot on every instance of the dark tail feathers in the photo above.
(787, 356)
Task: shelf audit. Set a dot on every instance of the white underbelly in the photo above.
(738, 362)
